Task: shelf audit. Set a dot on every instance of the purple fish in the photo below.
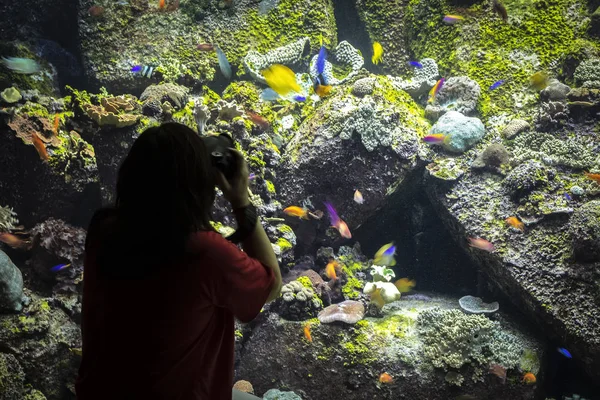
(252, 176)
(136, 68)
(334, 219)
(453, 19)
(60, 267)
(299, 98)
(568, 197)
(497, 84)
(415, 64)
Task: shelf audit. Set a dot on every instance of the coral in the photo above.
(34, 395)
(422, 81)
(244, 386)
(551, 115)
(573, 152)
(584, 228)
(75, 159)
(452, 339)
(363, 86)
(201, 116)
(526, 177)
(515, 127)
(388, 291)
(11, 285)
(474, 305)
(25, 126)
(555, 91)
(155, 95)
(298, 303)
(8, 219)
(228, 110)
(344, 53)
(381, 273)
(12, 377)
(10, 95)
(275, 394)
(587, 74)
(494, 156)
(464, 131)
(113, 111)
(348, 311)
(459, 93)
(254, 62)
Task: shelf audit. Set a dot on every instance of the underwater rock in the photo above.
(526, 177)
(422, 81)
(459, 93)
(464, 131)
(584, 228)
(551, 115)
(555, 91)
(409, 338)
(344, 53)
(587, 74)
(297, 302)
(515, 127)
(348, 311)
(275, 394)
(493, 156)
(13, 378)
(363, 87)
(11, 285)
(474, 305)
(254, 62)
(10, 95)
(155, 95)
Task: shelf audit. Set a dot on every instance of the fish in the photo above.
(251, 176)
(299, 98)
(437, 138)
(385, 255)
(296, 211)
(435, 90)
(386, 378)
(497, 84)
(136, 68)
(500, 9)
(415, 64)
(337, 222)
(453, 19)
(568, 197)
(205, 47)
(269, 95)
(330, 269)
(377, 53)
(481, 244)
(20, 65)
(96, 11)
(39, 146)
(56, 123)
(143, 70)
(281, 79)
(594, 177)
(539, 80)
(323, 90)
(564, 352)
(499, 371)
(259, 121)
(13, 241)
(223, 63)
(320, 64)
(377, 298)
(161, 4)
(307, 334)
(358, 197)
(405, 285)
(529, 378)
(60, 267)
(515, 223)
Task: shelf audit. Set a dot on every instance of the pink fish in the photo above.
(481, 244)
(436, 138)
(337, 222)
(453, 19)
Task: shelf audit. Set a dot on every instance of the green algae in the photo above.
(284, 244)
(305, 281)
(351, 289)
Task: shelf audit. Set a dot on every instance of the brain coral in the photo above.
(587, 74)
(298, 302)
(459, 93)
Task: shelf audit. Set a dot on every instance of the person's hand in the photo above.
(236, 189)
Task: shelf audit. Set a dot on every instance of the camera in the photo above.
(221, 157)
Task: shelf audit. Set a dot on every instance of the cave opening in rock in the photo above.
(350, 27)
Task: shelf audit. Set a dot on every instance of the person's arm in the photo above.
(257, 244)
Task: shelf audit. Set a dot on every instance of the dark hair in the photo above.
(165, 191)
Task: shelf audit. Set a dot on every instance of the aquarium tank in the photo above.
(427, 171)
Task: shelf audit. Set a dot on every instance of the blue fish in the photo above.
(136, 68)
(564, 352)
(321, 60)
(223, 63)
(59, 267)
(497, 84)
(299, 98)
(269, 95)
(415, 64)
(568, 197)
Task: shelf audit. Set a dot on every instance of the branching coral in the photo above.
(254, 62)
(8, 219)
(588, 73)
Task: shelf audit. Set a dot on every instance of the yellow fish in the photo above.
(385, 255)
(377, 53)
(405, 285)
(539, 80)
(377, 298)
(281, 79)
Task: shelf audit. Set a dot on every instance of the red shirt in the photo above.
(170, 336)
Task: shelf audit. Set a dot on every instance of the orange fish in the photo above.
(161, 4)
(343, 229)
(96, 11)
(307, 332)
(323, 90)
(39, 146)
(529, 378)
(515, 223)
(12, 240)
(205, 47)
(481, 244)
(386, 378)
(259, 121)
(405, 285)
(56, 123)
(499, 371)
(594, 177)
(330, 269)
(296, 211)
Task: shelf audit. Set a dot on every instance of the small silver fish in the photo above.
(21, 65)
(223, 63)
